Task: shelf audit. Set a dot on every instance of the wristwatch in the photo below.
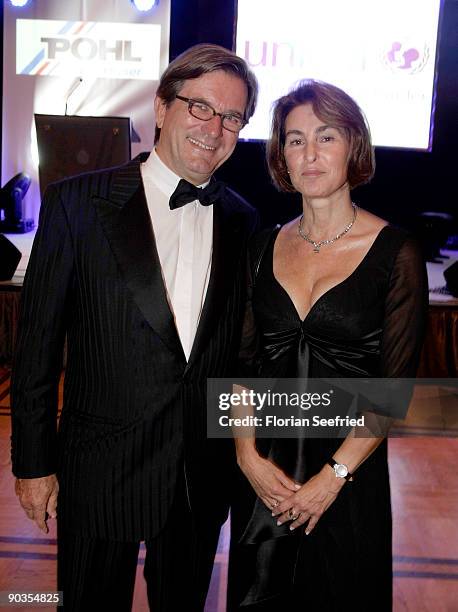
(340, 470)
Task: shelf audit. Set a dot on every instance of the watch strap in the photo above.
(333, 462)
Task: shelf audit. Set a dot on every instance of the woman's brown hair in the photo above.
(334, 107)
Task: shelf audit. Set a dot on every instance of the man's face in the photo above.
(193, 148)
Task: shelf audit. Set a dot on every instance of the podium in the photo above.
(70, 145)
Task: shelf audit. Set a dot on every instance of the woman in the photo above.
(335, 292)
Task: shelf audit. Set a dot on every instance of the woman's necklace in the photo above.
(318, 245)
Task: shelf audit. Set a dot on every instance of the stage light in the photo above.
(11, 196)
(144, 5)
(19, 2)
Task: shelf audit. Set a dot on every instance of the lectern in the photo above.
(70, 145)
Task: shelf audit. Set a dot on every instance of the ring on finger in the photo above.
(275, 503)
(291, 514)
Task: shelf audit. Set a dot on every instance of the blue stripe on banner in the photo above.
(66, 27)
(434, 575)
(40, 55)
(425, 560)
(34, 62)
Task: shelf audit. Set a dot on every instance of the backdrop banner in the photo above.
(94, 59)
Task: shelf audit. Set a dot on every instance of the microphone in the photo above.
(71, 91)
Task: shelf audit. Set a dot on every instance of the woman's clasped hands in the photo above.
(270, 483)
(288, 500)
(310, 501)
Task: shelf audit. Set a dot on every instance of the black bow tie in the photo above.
(187, 192)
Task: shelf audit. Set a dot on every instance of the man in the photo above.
(150, 296)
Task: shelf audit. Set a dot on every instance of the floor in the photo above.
(424, 484)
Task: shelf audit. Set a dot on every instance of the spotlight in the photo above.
(11, 196)
(19, 2)
(144, 5)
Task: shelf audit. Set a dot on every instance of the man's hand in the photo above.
(38, 497)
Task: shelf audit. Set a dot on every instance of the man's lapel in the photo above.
(127, 225)
(227, 238)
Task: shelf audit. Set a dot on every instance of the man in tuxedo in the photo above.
(142, 269)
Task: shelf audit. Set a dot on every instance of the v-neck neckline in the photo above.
(328, 291)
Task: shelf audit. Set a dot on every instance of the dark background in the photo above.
(406, 182)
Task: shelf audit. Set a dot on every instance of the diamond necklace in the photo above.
(318, 245)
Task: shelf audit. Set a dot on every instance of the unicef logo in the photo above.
(403, 57)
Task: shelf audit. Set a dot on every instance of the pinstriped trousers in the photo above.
(100, 575)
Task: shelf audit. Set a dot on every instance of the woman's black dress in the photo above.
(369, 325)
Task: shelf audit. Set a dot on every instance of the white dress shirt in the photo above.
(184, 239)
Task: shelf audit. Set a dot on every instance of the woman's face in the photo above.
(316, 154)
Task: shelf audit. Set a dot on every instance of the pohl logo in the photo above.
(87, 49)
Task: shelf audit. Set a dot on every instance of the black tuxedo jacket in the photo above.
(134, 414)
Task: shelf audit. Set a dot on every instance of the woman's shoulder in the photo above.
(399, 254)
(388, 237)
(397, 239)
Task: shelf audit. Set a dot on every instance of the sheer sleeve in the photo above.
(406, 310)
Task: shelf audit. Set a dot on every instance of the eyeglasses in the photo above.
(205, 112)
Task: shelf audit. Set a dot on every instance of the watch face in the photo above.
(341, 470)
